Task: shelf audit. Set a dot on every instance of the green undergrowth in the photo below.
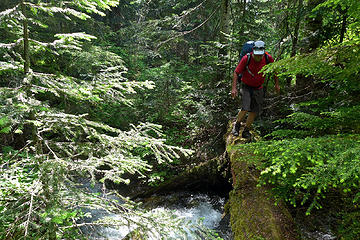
(302, 171)
(308, 172)
(307, 123)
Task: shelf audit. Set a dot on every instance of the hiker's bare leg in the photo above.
(250, 119)
(241, 116)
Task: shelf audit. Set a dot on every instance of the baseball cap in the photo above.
(259, 48)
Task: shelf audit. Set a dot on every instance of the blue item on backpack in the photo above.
(246, 50)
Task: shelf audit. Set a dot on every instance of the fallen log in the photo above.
(253, 213)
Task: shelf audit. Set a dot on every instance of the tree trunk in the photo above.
(297, 27)
(224, 23)
(26, 40)
(313, 27)
(205, 176)
(242, 27)
(224, 30)
(343, 25)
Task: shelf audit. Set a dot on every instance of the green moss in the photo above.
(253, 213)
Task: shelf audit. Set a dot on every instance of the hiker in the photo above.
(252, 86)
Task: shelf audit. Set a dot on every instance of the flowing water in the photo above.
(194, 206)
(317, 235)
(191, 207)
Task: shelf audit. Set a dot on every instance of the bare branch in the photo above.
(190, 31)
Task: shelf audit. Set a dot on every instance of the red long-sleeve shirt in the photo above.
(258, 79)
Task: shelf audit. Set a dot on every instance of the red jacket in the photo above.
(254, 67)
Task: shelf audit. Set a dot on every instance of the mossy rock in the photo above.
(253, 213)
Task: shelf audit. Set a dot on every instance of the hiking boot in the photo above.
(236, 129)
(246, 133)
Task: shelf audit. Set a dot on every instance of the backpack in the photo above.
(246, 50)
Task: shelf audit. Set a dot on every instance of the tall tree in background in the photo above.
(25, 38)
(298, 19)
(224, 33)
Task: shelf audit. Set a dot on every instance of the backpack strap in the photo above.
(267, 58)
(248, 61)
(247, 64)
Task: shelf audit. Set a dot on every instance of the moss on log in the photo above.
(206, 176)
(253, 213)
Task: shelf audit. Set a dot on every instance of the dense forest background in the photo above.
(111, 89)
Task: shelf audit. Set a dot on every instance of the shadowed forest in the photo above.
(135, 92)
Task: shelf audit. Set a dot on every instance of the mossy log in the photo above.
(253, 213)
(206, 176)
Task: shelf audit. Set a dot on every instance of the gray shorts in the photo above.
(252, 99)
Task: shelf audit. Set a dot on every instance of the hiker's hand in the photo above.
(234, 92)
(277, 88)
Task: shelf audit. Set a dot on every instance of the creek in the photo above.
(193, 207)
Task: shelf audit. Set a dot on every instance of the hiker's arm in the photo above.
(239, 69)
(234, 91)
(276, 79)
